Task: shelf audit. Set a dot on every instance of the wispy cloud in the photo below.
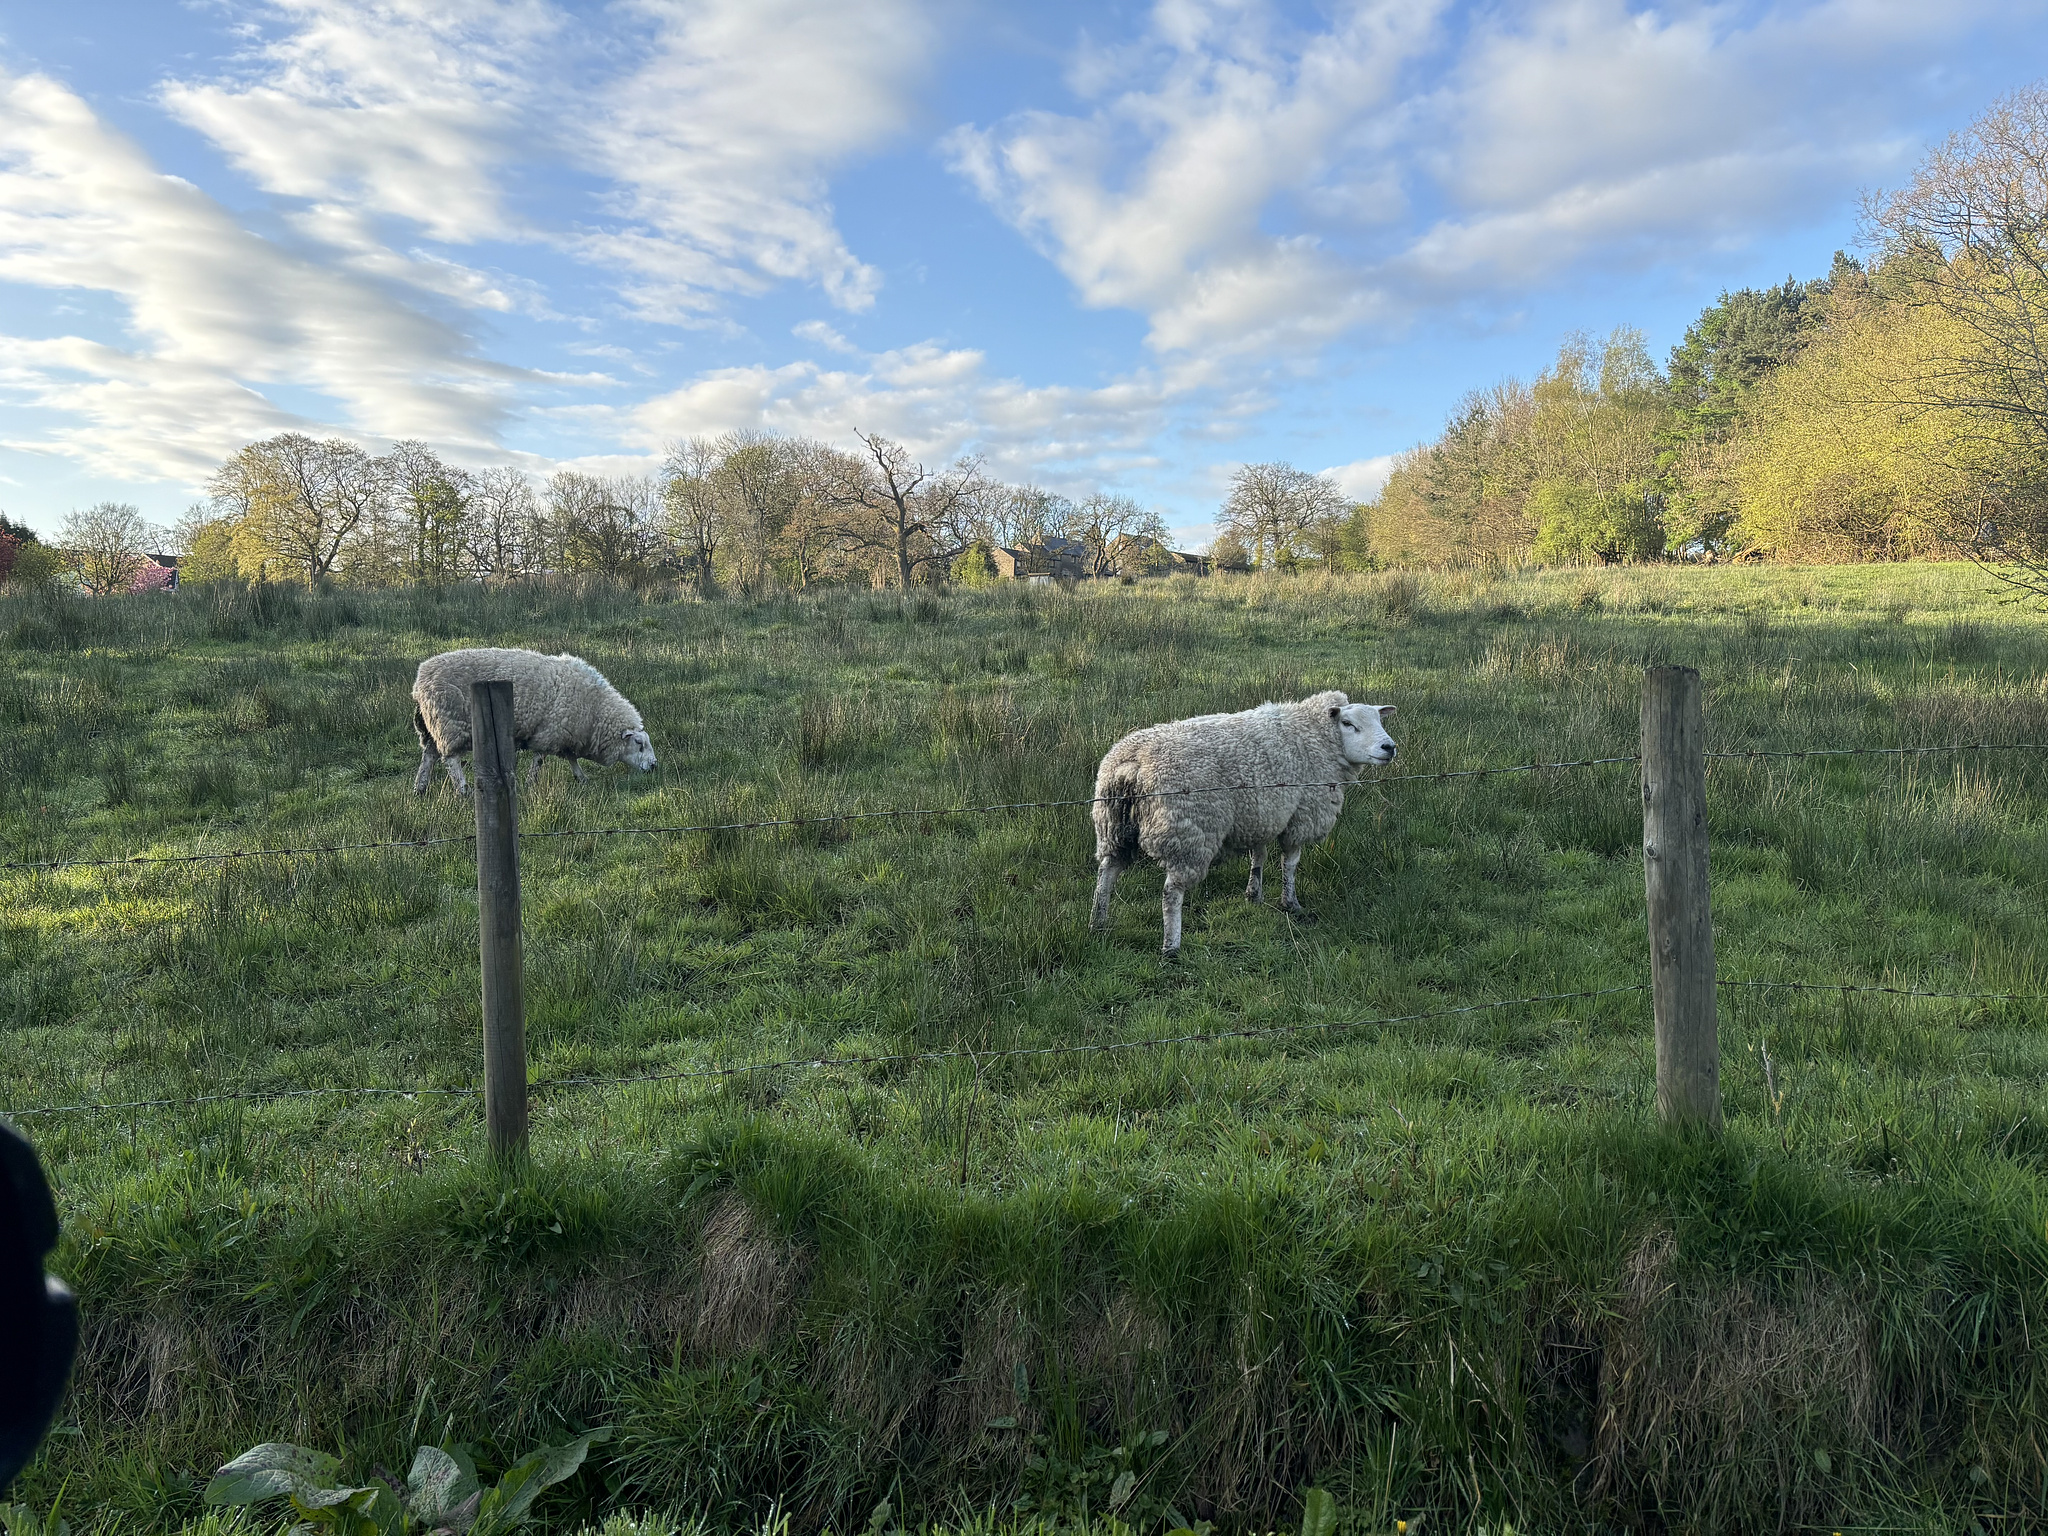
(718, 148)
(939, 401)
(1250, 186)
(704, 161)
(1158, 200)
(214, 313)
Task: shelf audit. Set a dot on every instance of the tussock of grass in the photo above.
(1447, 1267)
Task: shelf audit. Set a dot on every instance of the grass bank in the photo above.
(1448, 1266)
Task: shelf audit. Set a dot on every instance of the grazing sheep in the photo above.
(561, 707)
(1183, 793)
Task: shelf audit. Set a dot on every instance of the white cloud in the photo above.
(1251, 187)
(1157, 200)
(406, 108)
(939, 401)
(1362, 479)
(1584, 131)
(819, 334)
(719, 145)
(710, 153)
(214, 313)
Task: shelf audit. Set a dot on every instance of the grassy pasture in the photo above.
(1446, 1267)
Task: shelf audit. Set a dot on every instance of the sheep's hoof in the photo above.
(1170, 954)
(1254, 894)
(1301, 915)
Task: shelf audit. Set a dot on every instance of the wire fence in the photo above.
(981, 1057)
(310, 850)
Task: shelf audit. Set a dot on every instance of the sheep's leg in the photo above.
(581, 776)
(1256, 887)
(426, 774)
(1288, 864)
(533, 769)
(1170, 905)
(1105, 882)
(454, 766)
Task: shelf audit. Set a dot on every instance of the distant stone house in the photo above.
(1060, 559)
(1051, 558)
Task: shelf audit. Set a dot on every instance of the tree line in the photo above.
(748, 511)
(1897, 407)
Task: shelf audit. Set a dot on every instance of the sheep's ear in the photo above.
(1334, 711)
(1385, 710)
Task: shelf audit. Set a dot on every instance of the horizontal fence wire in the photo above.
(983, 1057)
(929, 812)
(811, 1063)
(228, 854)
(1838, 986)
(1961, 746)
(912, 814)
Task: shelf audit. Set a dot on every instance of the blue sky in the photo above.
(1123, 246)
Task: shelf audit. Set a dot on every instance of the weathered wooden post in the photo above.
(500, 947)
(1680, 911)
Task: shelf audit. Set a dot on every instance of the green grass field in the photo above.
(1448, 1267)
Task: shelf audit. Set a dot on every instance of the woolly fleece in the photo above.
(1290, 761)
(562, 706)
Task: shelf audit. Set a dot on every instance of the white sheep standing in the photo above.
(1183, 793)
(561, 707)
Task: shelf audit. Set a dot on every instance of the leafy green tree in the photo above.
(1736, 343)
(1577, 524)
(1737, 340)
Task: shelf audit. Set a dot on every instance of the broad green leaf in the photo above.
(1318, 1513)
(507, 1504)
(270, 1470)
(332, 1498)
(439, 1485)
(1120, 1490)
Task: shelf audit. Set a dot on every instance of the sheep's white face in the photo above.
(1362, 737)
(636, 750)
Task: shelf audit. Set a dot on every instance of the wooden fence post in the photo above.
(1675, 885)
(500, 948)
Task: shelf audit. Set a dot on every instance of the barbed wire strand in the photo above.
(1836, 986)
(1105, 1047)
(766, 823)
(1962, 746)
(783, 821)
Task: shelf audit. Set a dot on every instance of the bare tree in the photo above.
(689, 501)
(603, 526)
(887, 502)
(106, 546)
(1968, 236)
(500, 532)
(1024, 514)
(1272, 509)
(1116, 532)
